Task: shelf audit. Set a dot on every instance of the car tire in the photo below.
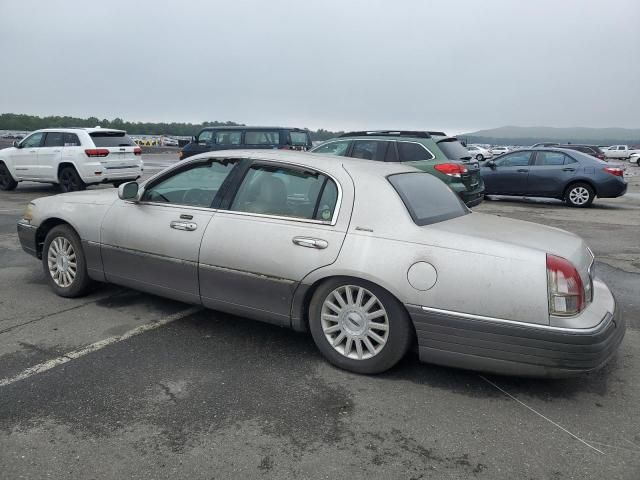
(350, 339)
(64, 262)
(6, 180)
(579, 195)
(70, 181)
(480, 157)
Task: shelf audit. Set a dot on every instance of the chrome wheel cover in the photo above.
(354, 322)
(579, 195)
(61, 259)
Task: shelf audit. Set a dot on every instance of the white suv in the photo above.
(72, 158)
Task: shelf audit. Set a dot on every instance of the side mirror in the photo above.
(491, 164)
(128, 191)
(16, 144)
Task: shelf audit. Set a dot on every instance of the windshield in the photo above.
(427, 199)
(453, 149)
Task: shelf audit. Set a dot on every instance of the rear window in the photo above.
(428, 200)
(111, 139)
(262, 137)
(299, 138)
(453, 149)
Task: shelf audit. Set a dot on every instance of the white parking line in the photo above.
(541, 415)
(94, 347)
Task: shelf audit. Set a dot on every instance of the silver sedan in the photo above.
(371, 258)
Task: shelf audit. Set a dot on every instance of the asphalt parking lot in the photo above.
(121, 384)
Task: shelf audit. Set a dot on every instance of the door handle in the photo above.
(187, 226)
(310, 242)
(522, 170)
(568, 169)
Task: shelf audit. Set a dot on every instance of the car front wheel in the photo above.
(359, 326)
(6, 180)
(64, 262)
(580, 195)
(479, 157)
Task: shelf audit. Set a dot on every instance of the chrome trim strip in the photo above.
(247, 273)
(469, 316)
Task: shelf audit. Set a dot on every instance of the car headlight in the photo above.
(28, 212)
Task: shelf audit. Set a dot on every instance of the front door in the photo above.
(49, 156)
(153, 244)
(282, 224)
(508, 175)
(25, 158)
(550, 173)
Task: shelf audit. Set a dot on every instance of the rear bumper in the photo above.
(508, 349)
(27, 236)
(612, 189)
(470, 197)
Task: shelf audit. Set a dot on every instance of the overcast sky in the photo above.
(452, 65)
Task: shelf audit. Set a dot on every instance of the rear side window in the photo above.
(262, 137)
(369, 149)
(411, 152)
(299, 139)
(427, 199)
(550, 158)
(111, 139)
(228, 138)
(54, 139)
(71, 140)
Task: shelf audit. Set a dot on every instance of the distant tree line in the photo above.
(21, 122)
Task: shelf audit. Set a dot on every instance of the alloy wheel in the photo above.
(355, 322)
(62, 263)
(68, 181)
(579, 195)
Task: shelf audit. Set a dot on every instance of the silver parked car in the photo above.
(369, 257)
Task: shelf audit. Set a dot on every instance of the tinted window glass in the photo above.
(196, 186)
(32, 140)
(205, 136)
(228, 137)
(299, 138)
(285, 192)
(411, 152)
(550, 158)
(369, 149)
(427, 199)
(392, 153)
(333, 148)
(111, 139)
(54, 139)
(454, 150)
(262, 137)
(71, 140)
(518, 159)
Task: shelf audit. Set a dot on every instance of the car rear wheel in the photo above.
(580, 195)
(6, 180)
(359, 326)
(70, 181)
(64, 262)
(479, 157)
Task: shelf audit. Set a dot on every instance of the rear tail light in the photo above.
(137, 151)
(601, 156)
(96, 152)
(618, 172)
(567, 294)
(451, 169)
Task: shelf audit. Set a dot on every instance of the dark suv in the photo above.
(234, 138)
(592, 150)
(418, 149)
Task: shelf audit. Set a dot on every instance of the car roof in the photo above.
(75, 129)
(316, 161)
(251, 127)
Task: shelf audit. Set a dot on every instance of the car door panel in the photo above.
(252, 263)
(25, 159)
(549, 180)
(508, 176)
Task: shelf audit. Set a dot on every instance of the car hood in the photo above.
(522, 234)
(95, 197)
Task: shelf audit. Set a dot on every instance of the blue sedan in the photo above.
(567, 175)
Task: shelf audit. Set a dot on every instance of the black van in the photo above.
(233, 138)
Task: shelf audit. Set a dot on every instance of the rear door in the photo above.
(550, 173)
(49, 156)
(509, 174)
(122, 149)
(282, 223)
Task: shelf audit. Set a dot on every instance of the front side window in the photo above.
(262, 137)
(286, 192)
(205, 136)
(427, 199)
(411, 152)
(228, 137)
(111, 139)
(196, 185)
(518, 159)
(32, 140)
(71, 140)
(54, 139)
(550, 158)
(369, 149)
(299, 139)
(334, 148)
